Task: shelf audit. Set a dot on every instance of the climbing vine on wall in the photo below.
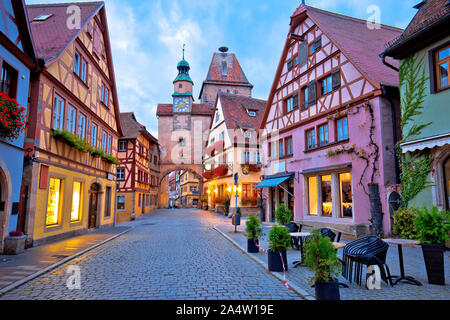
(370, 154)
(415, 168)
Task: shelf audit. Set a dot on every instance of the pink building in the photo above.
(331, 124)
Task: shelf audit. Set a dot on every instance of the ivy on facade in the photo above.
(415, 168)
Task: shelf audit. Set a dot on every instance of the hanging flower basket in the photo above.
(220, 171)
(13, 120)
(254, 167)
(208, 175)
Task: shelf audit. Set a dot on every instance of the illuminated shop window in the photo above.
(75, 215)
(327, 198)
(345, 180)
(312, 184)
(54, 200)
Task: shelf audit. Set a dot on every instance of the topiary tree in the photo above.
(279, 239)
(253, 229)
(321, 258)
(432, 226)
(283, 215)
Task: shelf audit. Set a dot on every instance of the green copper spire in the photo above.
(183, 70)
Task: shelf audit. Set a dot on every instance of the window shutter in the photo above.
(303, 53)
(336, 77)
(312, 93)
(318, 44)
(43, 179)
(296, 101)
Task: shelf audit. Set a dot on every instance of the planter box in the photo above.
(433, 255)
(327, 290)
(274, 261)
(252, 246)
(14, 245)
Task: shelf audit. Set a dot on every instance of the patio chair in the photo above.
(293, 228)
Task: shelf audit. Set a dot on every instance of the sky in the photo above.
(147, 38)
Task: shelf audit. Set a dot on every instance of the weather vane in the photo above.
(184, 45)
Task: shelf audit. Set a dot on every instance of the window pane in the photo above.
(346, 195)
(81, 126)
(54, 197)
(443, 74)
(327, 199)
(312, 185)
(77, 64)
(94, 136)
(121, 203)
(444, 53)
(76, 202)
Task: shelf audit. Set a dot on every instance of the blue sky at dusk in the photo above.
(147, 39)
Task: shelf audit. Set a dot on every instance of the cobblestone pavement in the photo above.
(173, 255)
(414, 266)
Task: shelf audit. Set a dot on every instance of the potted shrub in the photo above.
(279, 242)
(283, 215)
(254, 232)
(15, 243)
(321, 258)
(432, 228)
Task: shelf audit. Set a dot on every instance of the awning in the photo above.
(272, 182)
(426, 143)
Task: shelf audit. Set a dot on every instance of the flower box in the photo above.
(13, 119)
(15, 243)
(220, 171)
(254, 167)
(249, 201)
(208, 175)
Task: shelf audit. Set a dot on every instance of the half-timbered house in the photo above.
(74, 127)
(138, 171)
(18, 65)
(330, 126)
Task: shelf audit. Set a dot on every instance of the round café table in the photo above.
(400, 243)
(300, 235)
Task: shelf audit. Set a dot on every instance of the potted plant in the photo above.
(13, 119)
(283, 215)
(254, 232)
(279, 242)
(432, 228)
(321, 258)
(15, 243)
(226, 204)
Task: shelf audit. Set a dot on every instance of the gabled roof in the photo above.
(197, 109)
(430, 24)
(235, 111)
(133, 129)
(52, 35)
(361, 44)
(235, 74)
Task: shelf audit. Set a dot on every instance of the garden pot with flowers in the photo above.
(15, 243)
(13, 119)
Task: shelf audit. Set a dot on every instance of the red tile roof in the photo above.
(132, 128)
(362, 45)
(235, 73)
(197, 109)
(235, 111)
(52, 35)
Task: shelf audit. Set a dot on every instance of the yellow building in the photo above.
(233, 148)
(189, 187)
(71, 144)
(138, 172)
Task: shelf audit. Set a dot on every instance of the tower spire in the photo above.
(184, 45)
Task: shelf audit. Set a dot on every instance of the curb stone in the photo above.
(302, 293)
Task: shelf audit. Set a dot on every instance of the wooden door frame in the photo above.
(97, 218)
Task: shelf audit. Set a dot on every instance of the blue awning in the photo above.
(272, 182)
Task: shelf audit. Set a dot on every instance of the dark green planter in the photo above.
(433, 255)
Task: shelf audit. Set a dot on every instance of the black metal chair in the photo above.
(366, 251)
(328, 233)
(293, 228)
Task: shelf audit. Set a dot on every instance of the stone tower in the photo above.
(225, 75)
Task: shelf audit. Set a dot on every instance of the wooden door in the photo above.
(93, 207)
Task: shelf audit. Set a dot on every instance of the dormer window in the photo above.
(42, 17)
(252, 114)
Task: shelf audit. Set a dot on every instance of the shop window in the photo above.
(246, 191)
(75, 215)
(54, 202)
(327, 198)
(345, 180)
(121, 203)
(313, 198)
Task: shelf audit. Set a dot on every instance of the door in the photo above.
(274, 204)
(93, 207)
(144, 202)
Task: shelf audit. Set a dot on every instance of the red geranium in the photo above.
(13, 119)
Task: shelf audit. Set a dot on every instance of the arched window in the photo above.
(224, 69)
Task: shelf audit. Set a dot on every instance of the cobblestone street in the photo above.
(171, 255)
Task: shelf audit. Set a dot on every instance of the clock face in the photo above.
(182, 105)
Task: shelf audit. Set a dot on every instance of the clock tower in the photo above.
(183, 89)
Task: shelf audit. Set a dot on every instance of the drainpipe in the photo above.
(394, 127)
(383, 59)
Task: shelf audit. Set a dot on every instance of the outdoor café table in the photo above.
(337, 246)
(402, 277)
(300, 235)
